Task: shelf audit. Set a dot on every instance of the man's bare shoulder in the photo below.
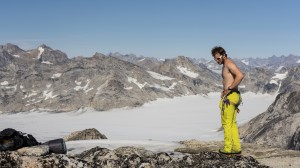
(232, 67)
(230, 63)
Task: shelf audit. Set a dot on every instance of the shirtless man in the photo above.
(230, 99)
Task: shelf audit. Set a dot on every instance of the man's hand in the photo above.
(225, 93)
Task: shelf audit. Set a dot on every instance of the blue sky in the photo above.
(154, 28)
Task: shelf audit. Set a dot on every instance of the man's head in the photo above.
(219, 54)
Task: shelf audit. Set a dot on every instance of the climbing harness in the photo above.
(227, 102)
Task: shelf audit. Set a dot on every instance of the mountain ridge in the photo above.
(45, 78)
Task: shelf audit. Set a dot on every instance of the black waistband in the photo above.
(234, 91)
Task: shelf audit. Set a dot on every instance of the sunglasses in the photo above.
(218, 58)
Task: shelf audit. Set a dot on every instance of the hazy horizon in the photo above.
(26, 49)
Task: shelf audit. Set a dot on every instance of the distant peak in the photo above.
(11, 48)
(44, 46)
(116, 54)
(182, 58)
(97, 54)
(11, 45)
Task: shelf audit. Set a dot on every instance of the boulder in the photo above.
(87, 134)
(39, 150)
(14, 159)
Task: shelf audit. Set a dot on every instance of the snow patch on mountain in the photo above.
(133, 80)
(11, 87)
(242, 86)
(77, 88)
(280, 76)
(245, 62)
(78, 83)
(31, 94)
(48, 95)
(159, 76)
(33, 102)
(166, 89)
(187, 72)
(57, 75)
(16, 55)
(279, 68)
(173, 85)
(213, 67)
(298, 61)
(46, 62)
(48, 86)
(273, 82)
(219, 85)
(41, 50)
(88, 90)
(4, 83)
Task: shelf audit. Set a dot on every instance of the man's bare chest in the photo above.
(226, 73)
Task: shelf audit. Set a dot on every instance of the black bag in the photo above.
(11, 140)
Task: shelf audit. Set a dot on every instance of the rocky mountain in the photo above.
(273, 63)
(263, 75)
(261, 80)
(279, 125)
(292, 80)
(213, 66)
(44, 78)
(13, 50)
(265, 78)
(145, 62)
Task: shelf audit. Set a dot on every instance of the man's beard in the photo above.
(221, 61)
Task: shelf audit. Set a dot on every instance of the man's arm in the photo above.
(238, 75)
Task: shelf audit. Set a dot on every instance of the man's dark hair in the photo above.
(219, 50)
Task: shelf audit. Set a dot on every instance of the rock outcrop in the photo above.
(87, 134)
(258, 80)
(295, 141)
(279, 125)
(292, 81)
(40, 150)
(265, 154)
(126, 157)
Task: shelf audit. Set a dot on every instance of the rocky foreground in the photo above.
(191, 153)
(124, 157)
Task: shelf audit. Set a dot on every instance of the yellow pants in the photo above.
(228, 115)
